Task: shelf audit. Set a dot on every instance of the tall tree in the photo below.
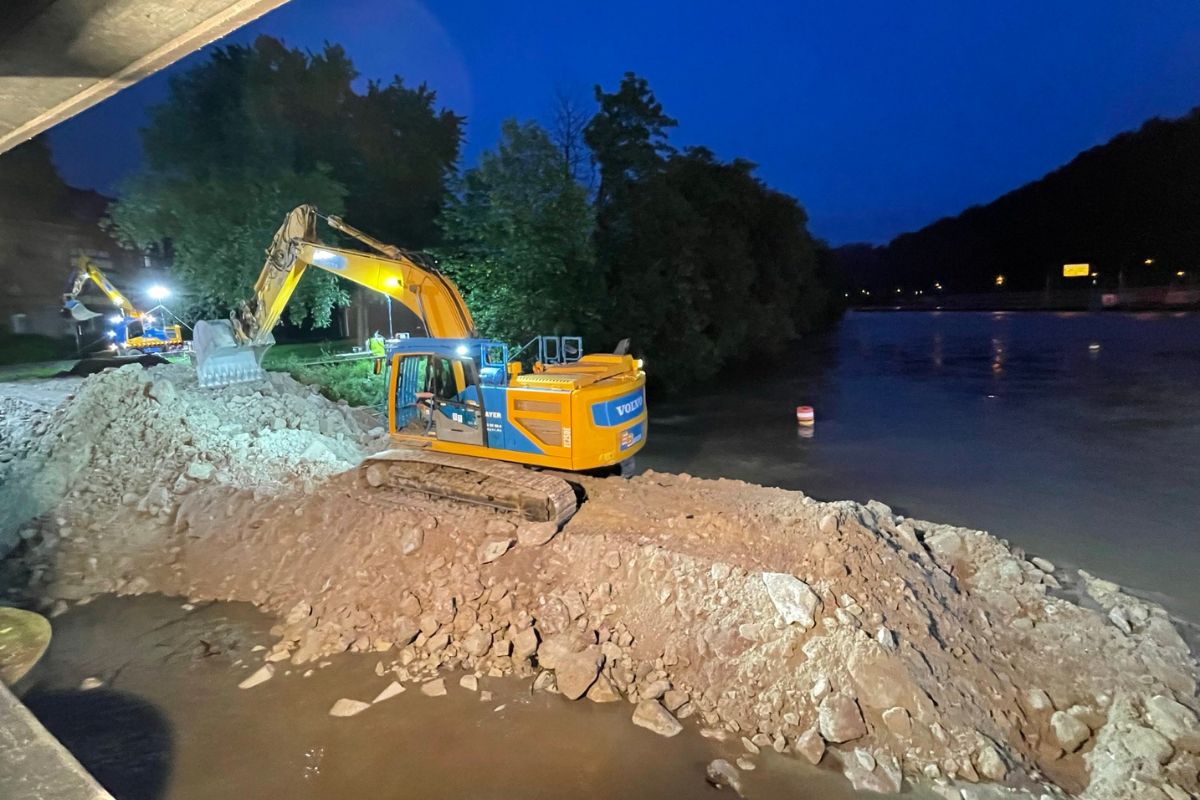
(518, 240)
(257, 130)
(628, 135)
(703, 262)
(570, 121)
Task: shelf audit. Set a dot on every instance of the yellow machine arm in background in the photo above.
(431, 296)
(86, 270)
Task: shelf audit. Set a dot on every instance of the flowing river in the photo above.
(1073, 435)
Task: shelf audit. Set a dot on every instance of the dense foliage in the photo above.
(1113, 207)
(253, 132)
(519, 235)
(693, 259)
(704, 263)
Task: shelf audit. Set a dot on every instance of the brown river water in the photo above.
(169, 722)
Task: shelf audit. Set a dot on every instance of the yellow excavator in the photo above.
(465, 417)
(131, 331)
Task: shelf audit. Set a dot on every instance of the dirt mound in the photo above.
(142, 436)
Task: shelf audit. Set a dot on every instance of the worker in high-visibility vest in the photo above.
(379, 349)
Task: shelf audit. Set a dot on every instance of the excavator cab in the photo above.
(435, 394)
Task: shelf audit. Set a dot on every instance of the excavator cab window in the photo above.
(439, 396)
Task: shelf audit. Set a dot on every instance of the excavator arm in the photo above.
(86, 270)
(431, 296)
(231, 352)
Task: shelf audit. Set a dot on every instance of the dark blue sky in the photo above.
(879, 116)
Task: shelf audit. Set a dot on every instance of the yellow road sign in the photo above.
(1077, 270)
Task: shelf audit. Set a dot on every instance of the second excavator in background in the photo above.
(130, 331)
(461, 411)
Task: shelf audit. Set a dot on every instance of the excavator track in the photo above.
(507, 487)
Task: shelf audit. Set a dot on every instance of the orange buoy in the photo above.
(804, 415)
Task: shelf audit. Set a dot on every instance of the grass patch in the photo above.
(25, 348)
(282, 354)
(41, 369)
(352, 381)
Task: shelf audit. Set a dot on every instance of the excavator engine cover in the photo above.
(220, 360)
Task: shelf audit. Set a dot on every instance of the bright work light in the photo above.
(159, 292)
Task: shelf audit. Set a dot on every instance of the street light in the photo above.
(1148, 261)
(159, 292)
(1000, 280)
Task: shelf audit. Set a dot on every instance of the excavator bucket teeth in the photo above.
(220, 360)
(535, 496)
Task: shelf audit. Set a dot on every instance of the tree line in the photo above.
(1123, 207)
(592, 224)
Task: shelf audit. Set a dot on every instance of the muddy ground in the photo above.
(900, 652)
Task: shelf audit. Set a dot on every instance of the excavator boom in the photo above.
(232, 351)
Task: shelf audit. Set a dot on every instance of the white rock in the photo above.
(345, 707)
(91, 683)
(411, 540)
(469, 682)
(650, 714)
(1068, 731)
(261, 675)
(391, 690)
(200, 471)
(493, 547)
(721, 774)
(434, 688)
(1175, 721)
(1147, 745)
(990, 764)
(1038, 700)
(793, 598)
(872, 773)
(1043, 564)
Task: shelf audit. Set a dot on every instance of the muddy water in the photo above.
(169, 722)
(1075, 436)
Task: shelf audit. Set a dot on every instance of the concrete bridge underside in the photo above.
(58, 57)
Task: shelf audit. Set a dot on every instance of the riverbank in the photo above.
(894, 650)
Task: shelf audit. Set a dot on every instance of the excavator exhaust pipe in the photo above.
(220, 360)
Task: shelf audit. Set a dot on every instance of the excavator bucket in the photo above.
(79, 312)
(220, 360)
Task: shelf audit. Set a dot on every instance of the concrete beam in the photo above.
(33, 764)
(58, 57)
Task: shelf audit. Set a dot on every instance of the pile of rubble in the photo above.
(892, 649)
(145, 436)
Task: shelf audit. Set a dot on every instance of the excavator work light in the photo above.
(159, 292)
